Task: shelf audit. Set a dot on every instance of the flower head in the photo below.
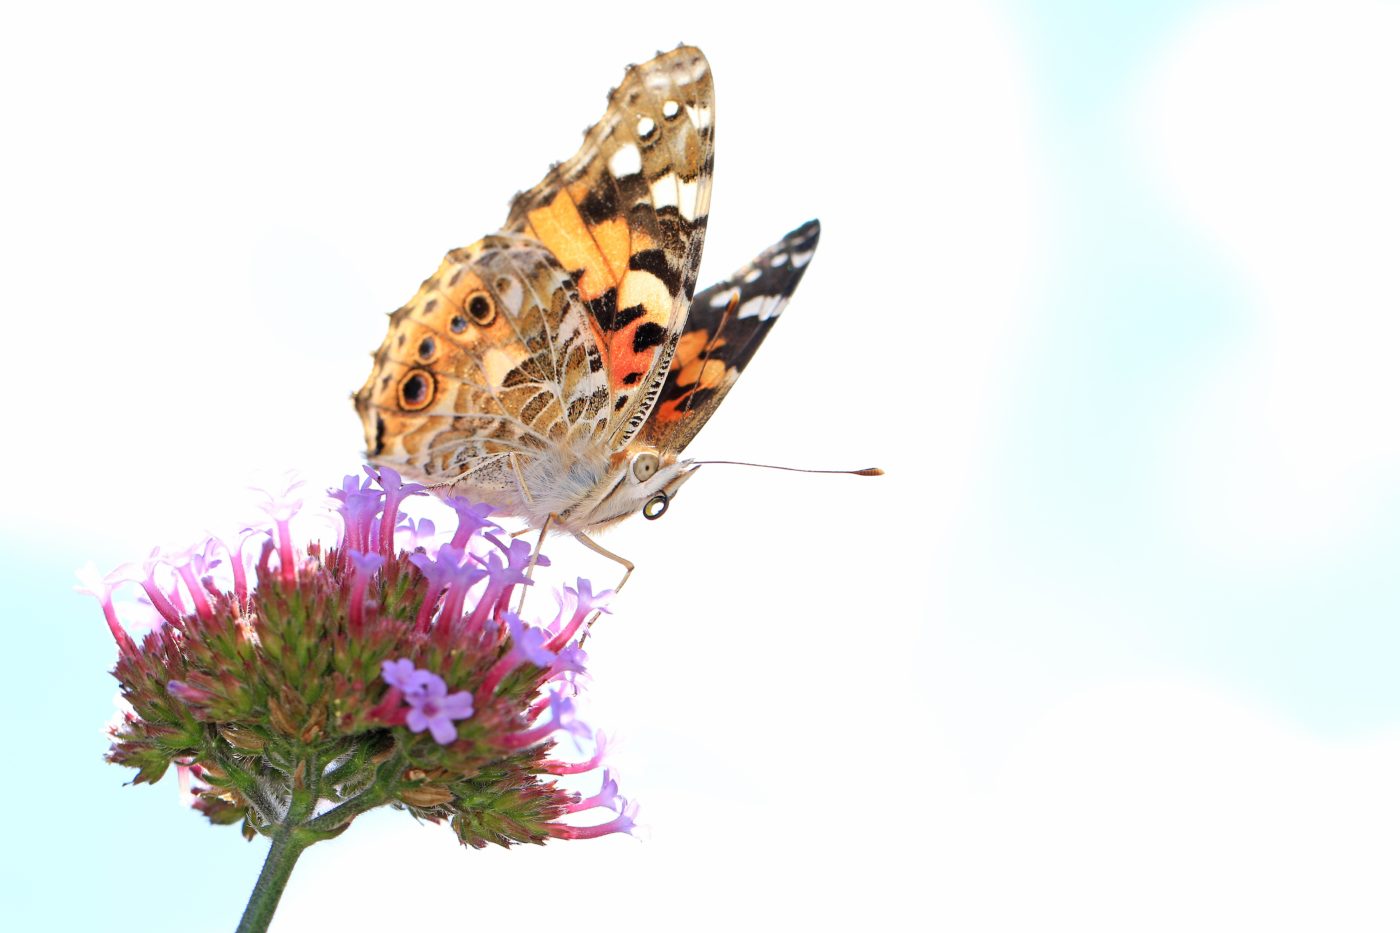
(371, 675)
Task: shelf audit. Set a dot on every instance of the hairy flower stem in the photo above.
(289, 840)
(334, 821)
(287, 846)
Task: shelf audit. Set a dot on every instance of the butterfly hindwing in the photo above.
(492, 362)
(626, 216)
(727, 322)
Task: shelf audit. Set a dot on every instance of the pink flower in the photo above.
(436, 710)
(410, 681)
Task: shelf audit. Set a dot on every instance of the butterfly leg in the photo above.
(544, 529)
(534, 558)
(628, 566)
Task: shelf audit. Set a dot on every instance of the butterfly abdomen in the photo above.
(566, 481)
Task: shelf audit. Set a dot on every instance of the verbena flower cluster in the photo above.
(304, 688)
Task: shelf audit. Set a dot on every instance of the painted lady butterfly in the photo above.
(558, 368)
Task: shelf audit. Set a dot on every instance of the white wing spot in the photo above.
(688, 72)
(753, 276)
(689, 192)
(801, 259)
(670, 109)
(778, 260)
(757, 306)
(627, 160)
(512, 296)
(723, 298)
(699, 116)
(663, 191)
(496, 364)
(645, 127)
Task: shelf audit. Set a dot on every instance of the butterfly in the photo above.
(558, 368)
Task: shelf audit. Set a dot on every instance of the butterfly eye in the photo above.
(656, 506)
(480, 308)
(644, 467)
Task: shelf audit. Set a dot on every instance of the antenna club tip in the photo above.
(870, 471)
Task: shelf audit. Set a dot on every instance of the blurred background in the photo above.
(1108, 289)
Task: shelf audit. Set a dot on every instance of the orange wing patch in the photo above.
(623, 301)
(598, 253)
(726, 324)
(695, 369)
(626, 216)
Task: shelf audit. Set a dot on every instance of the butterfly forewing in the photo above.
(626, 216)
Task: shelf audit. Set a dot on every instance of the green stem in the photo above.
(299, 829)
(288, 842)
(335, 818)
(287, 846)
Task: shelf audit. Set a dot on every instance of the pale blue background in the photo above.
(1134, 308)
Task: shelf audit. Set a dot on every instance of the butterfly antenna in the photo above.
(868, 471)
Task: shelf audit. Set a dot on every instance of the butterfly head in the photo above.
(641, 480)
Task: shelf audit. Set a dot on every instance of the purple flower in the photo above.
(527, 646)
(565, 713)
(527, 642)
(436, 711)
(518, 562)
(438, 568)
(471, 518)
(571, 660)
(358, 509)
(395, 491)
(600, 751)
(624, 822)
(607, 796)
(451, 572)
(584, 602)
(158, 597)
(366, 566)
(587, 601)
(410, 681)
(188, 693)
(100, 587)
(350, 484)
(420, 533)
(563, 717)
(192, 566)
(280, 507)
